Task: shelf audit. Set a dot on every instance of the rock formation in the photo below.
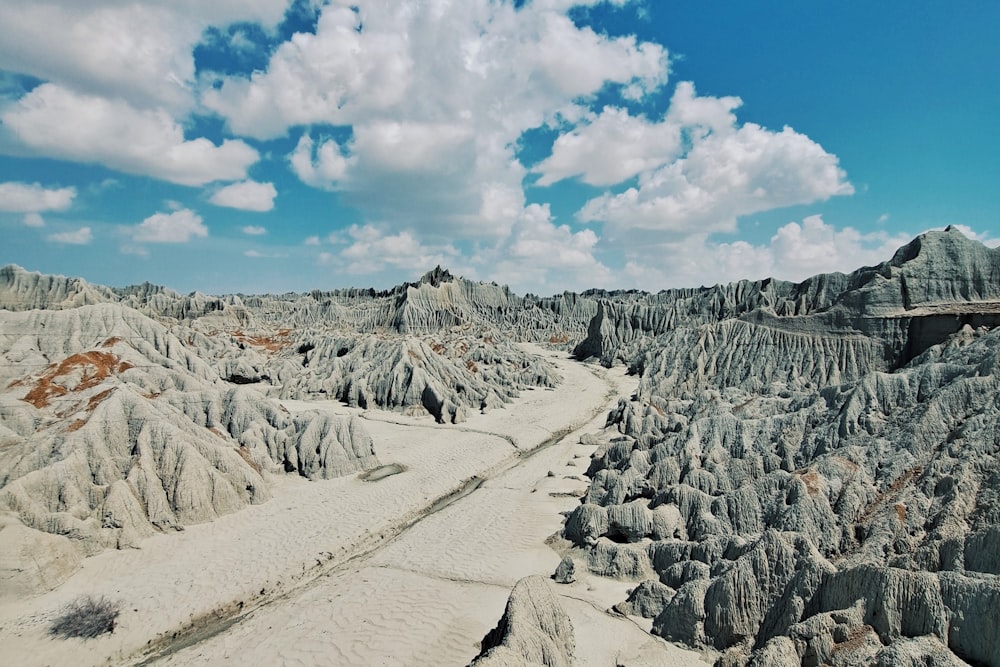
(534, 630)
(565, 572)
(443, 345)
(112, 428)
(126, 411)
(808, 474)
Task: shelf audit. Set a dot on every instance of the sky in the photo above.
(286, 145)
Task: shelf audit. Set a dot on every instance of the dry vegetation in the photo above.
(86, 617)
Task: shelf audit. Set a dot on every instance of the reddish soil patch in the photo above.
(894, 489)
(811, 480)
(245, 454)
(847, 463)
(96, 367)
(76, 425)
(97, 399)
(558, 339)
(273, 343)
(856, 638)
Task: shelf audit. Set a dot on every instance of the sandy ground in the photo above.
(405, 570)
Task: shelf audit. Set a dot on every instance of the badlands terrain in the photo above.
(445, 473)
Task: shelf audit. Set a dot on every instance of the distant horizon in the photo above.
(549, 145)
(420, 276)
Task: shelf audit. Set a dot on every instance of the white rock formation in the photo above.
(112, 428)
(534, 630)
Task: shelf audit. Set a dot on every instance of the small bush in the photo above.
(86, 617)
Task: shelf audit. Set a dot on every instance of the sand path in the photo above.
(412, 569)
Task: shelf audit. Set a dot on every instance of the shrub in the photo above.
(86, 617)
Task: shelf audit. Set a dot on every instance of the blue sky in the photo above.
(268, 145)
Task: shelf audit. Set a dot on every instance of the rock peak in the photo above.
(436, 276)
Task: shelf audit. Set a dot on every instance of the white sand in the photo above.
(348, 572)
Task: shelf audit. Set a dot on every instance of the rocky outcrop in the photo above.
(928, 290)
(112, 429)
(565, 572)
(807, 473)
(442, 345)
(534, 630)
(26, 290)
(32, 562)
(445, 375)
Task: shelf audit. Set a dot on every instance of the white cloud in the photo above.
(177, 227)
(254, 230)
(436, 95)
(577, 61)
(140, 51)
(729, 171)
(323, 77)
(246, 196)
(18, 197)
(803, 250)
(59, 123)
(372, 250)
(256, 254)
(540, 256)
(81, 236)
(33, 220)
(609, 149)
(415, 147)
(311, 240)
(320, 167)
(136, 250)
(796, 251)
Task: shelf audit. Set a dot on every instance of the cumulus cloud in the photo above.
(176, 227)
(139, 51)
(254, 230)
(436, 96)
(413, 147)
(81, 236)
(319, 166)
(610, 148)
(796, 251)
(373, 249)
(246, 196)
(60, 123)
(540, 256)
(18, 197)
(729, 171)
